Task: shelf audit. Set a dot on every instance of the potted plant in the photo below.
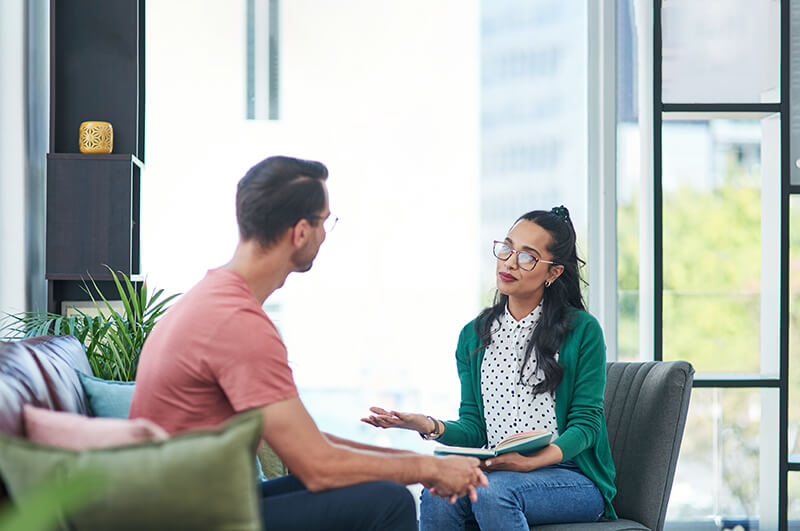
(113, 339)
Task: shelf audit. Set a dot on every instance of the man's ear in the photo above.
(300, 233)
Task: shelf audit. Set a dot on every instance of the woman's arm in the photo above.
(381, 418)
(470, 428)
(585, 417)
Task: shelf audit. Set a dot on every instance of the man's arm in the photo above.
(320, 465)
(347, 443)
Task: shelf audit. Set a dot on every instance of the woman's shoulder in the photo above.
(581, 318)
(469, 331)
(582, 323)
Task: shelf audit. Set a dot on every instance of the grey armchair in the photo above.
(646, 405)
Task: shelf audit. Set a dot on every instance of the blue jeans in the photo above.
(517, 500)
(374, 506)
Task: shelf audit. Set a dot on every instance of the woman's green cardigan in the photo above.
(579, 402)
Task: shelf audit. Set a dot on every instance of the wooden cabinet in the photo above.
(92, 215)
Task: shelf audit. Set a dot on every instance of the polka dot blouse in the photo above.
(509, 406)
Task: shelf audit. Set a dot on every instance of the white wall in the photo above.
(386, 95)
(12, 156)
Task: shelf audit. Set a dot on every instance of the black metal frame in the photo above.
(786, 169)
(659, 108)
(721, 383)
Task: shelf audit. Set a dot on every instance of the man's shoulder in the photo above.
(212, 317)
(223, 298)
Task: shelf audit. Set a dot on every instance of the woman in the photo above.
(534, 360)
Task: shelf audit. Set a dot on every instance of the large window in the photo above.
(717, 479)
(793, 432)
(711, 196)
(699, 195)
(720, 51)
(630, 175)
(440, 122)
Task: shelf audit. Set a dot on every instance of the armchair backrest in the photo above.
(646, 404)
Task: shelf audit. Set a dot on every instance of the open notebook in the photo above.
(525, 443)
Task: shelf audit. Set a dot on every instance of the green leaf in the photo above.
(41, 508)
(57, 326)
(137, 315)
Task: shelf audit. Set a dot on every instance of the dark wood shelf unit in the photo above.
(97, 156)
(97, 71)
(93, 200)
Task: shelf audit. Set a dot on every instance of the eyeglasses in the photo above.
(329, 224)
(525, 261)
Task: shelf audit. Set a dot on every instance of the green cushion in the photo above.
(202, 479)
(271, 465)
(107, 398)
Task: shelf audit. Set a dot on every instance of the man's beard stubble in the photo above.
(302, 260)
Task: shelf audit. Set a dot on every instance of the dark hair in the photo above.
(559, 300)
(275, 194)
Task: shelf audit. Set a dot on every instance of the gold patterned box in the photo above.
(96, 137)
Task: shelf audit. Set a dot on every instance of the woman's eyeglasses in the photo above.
(525, 261)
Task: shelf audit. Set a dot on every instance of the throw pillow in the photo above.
(271, 465)
(201, 479)
(77, 432)
(107, 398)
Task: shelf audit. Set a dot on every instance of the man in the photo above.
(216, 353)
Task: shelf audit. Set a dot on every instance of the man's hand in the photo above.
(396, 419)
(456, 476)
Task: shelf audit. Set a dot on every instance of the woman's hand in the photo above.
(512, 462)
(516, 462)
(395, 419)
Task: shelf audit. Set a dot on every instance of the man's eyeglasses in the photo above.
(525, 261)
(329, 224)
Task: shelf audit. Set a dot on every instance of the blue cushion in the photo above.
(113, 399)
(107, 398)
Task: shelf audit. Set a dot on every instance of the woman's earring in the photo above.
(547, 283)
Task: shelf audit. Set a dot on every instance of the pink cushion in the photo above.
(78, 432)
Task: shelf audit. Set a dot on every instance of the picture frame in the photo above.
(70, 308)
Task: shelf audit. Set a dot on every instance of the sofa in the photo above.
(40, 371)
(43, 372)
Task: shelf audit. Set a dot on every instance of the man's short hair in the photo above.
(275, 194)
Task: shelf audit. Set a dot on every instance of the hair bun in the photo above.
(561, 212)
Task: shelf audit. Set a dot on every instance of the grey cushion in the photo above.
(646, 405)
(616, 525)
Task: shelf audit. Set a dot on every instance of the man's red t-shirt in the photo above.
(214, 353)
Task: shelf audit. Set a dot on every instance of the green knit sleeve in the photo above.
(470, 428)
(584, 419)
